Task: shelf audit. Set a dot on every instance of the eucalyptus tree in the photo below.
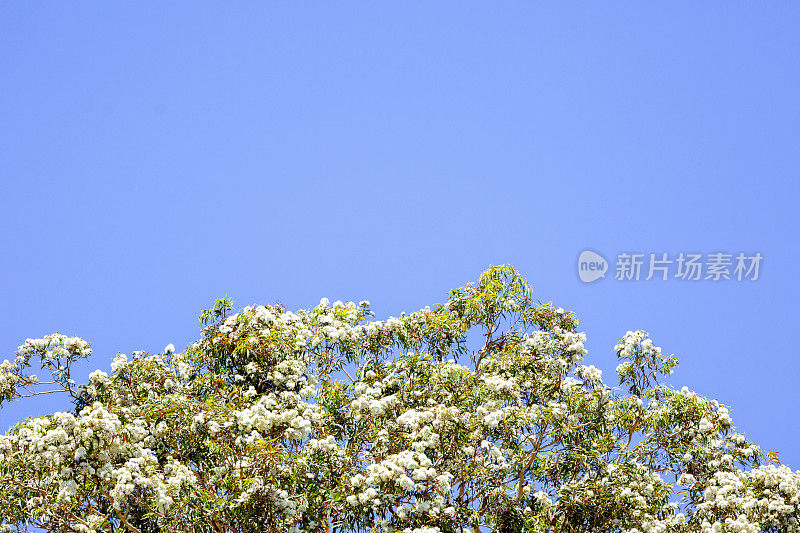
(326, 419)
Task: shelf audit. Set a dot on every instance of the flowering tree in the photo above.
(325, 420)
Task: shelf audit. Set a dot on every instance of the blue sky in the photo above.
(156, 156)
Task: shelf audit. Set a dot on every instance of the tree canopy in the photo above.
(328, 420)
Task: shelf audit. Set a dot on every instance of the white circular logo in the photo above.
(591, 266)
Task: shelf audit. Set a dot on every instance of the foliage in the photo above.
(328, 420)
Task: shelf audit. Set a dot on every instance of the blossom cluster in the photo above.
(327, 420)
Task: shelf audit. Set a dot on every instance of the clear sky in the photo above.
(156, 156)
